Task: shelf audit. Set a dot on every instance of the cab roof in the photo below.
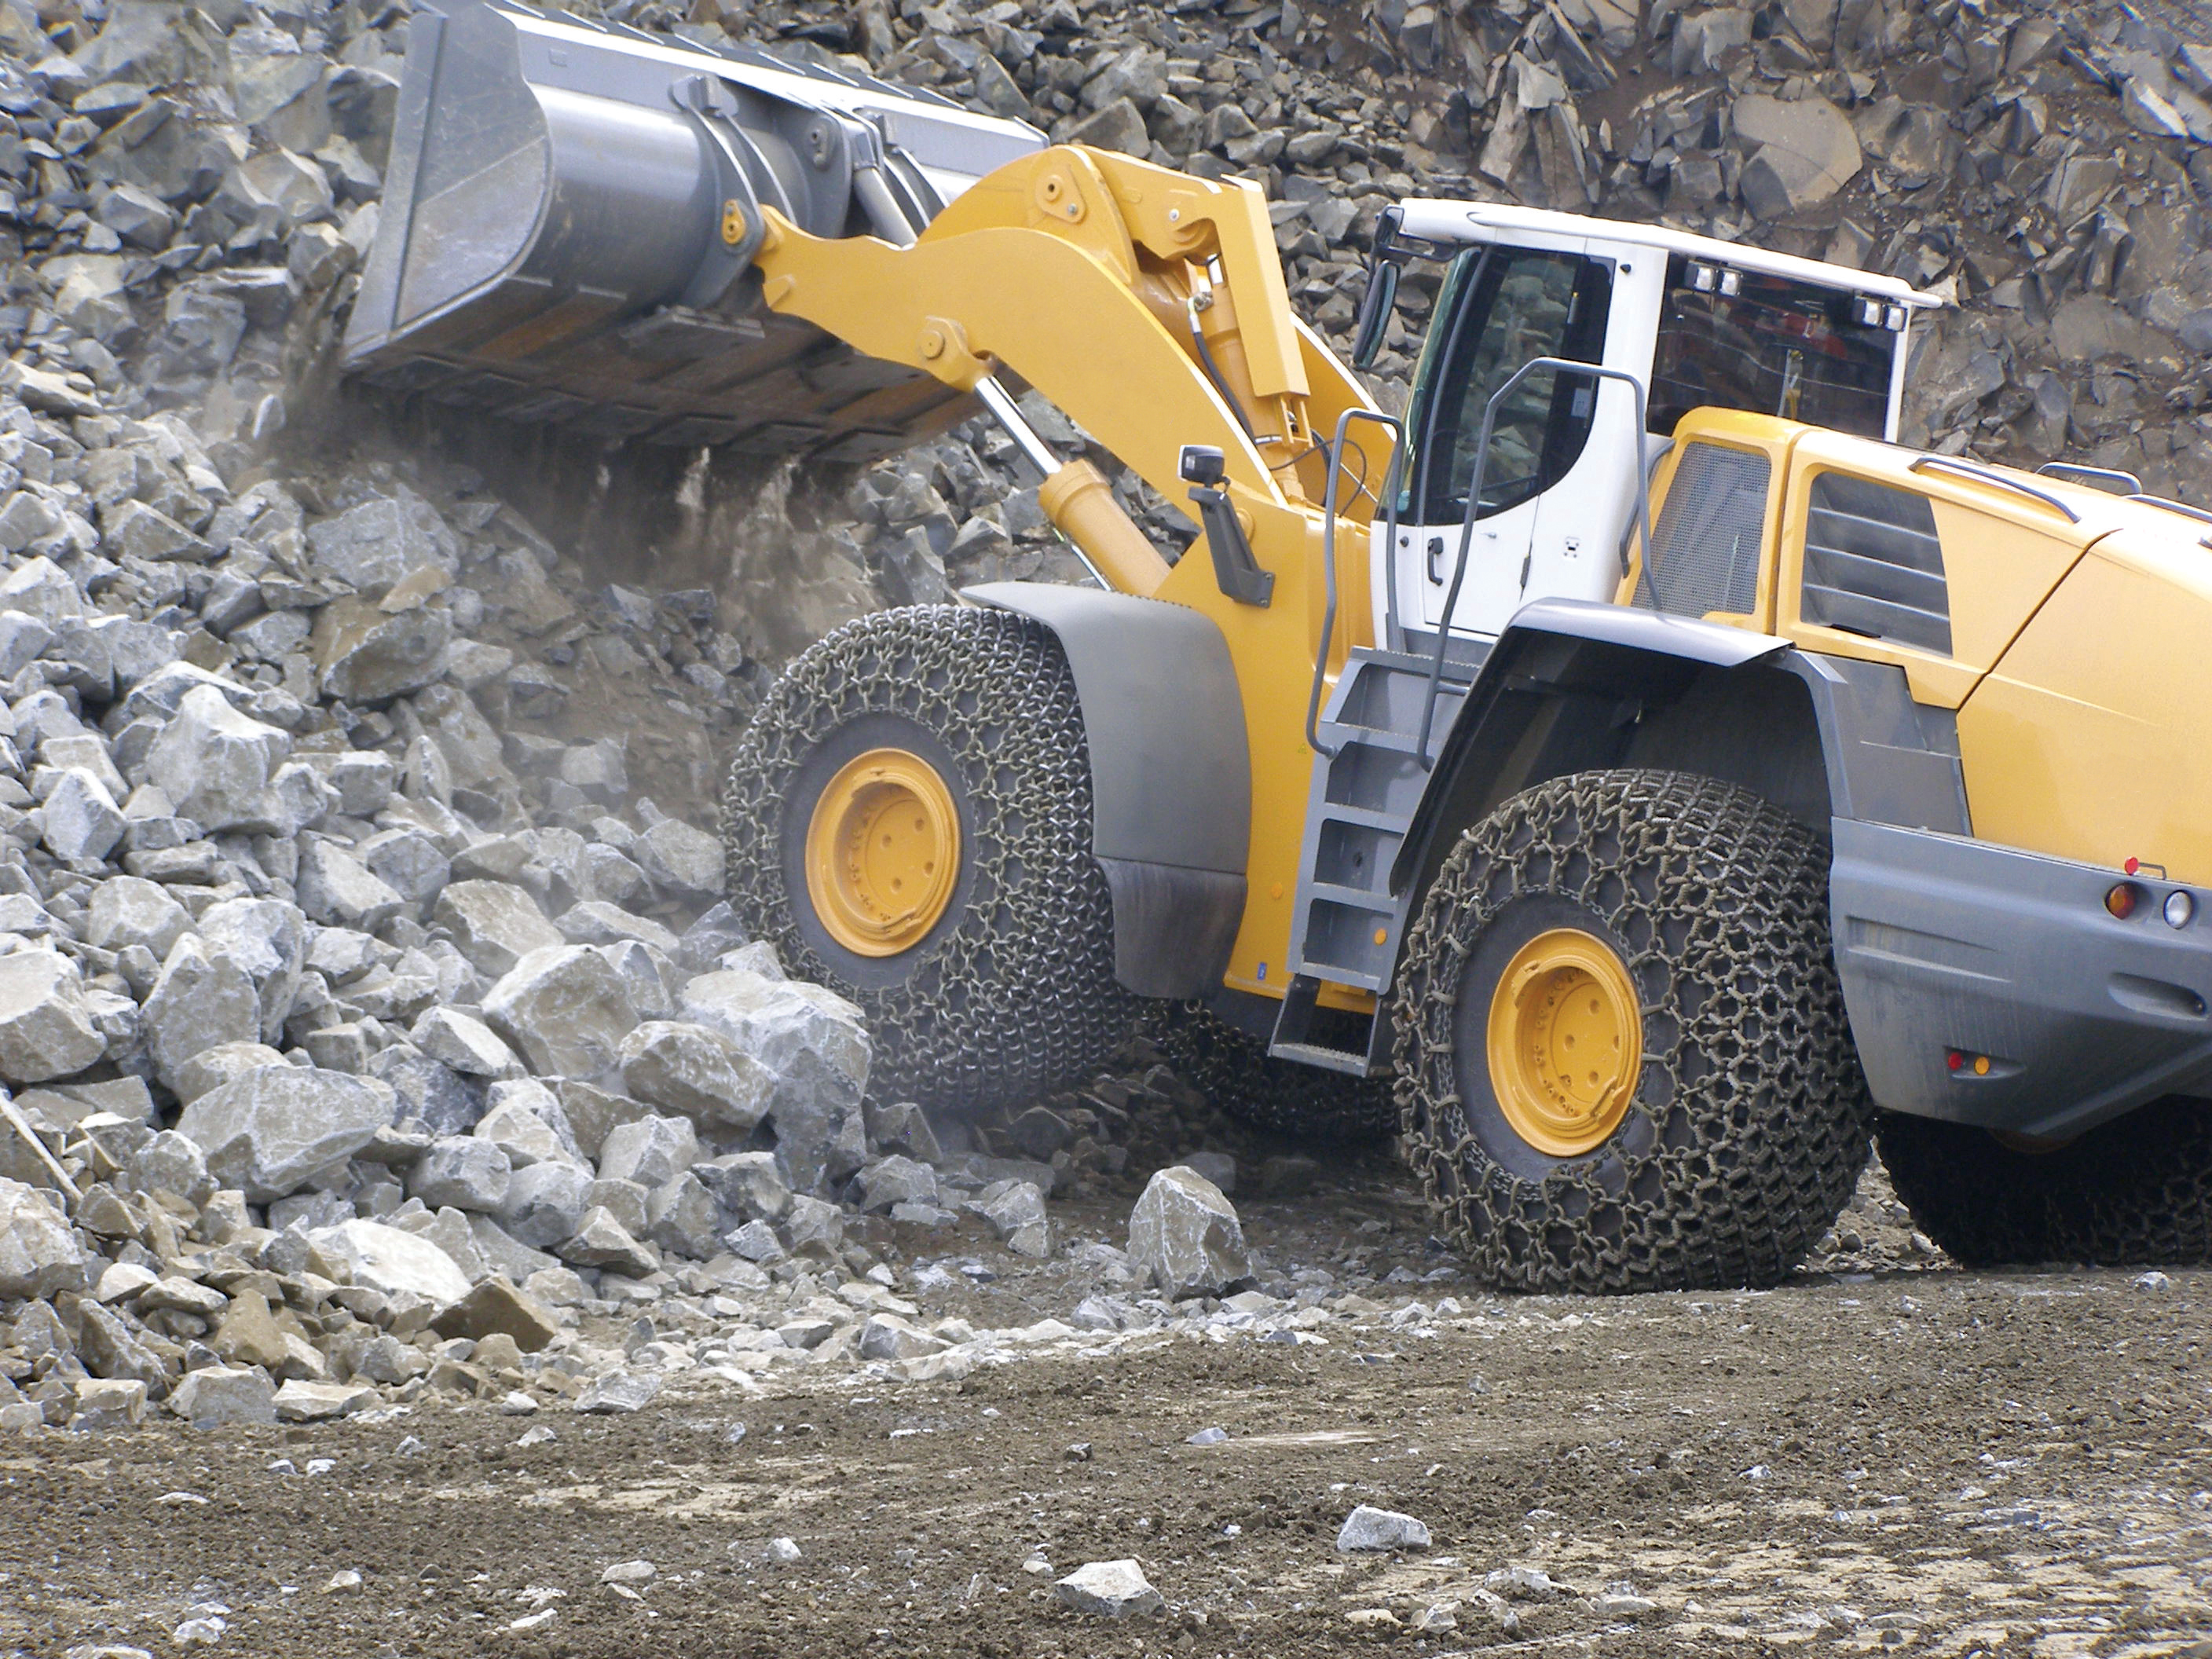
(1486, 221)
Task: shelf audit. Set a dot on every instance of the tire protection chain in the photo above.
(1236, 1072)
(1751, 1122)
(1018, 999)
(2133, 1193)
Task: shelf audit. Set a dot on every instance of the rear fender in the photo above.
(1170, 775)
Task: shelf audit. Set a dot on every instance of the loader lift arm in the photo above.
(1150, 307)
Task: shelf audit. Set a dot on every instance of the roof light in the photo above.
(1731, 282)
(2122, 899)
(1894, 320)
(1866, 312)
(2180, 909)
(1703, 278)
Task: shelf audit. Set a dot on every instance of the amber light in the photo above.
(2122, 899)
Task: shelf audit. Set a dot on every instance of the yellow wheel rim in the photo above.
(1566, 1042)
(882, 852)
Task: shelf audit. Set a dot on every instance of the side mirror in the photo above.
(1201, 465)
(1375, 306)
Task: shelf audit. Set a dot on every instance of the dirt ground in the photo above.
(1999, 1463)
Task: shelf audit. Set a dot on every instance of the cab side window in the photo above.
(1873, 564)
(1513, 304)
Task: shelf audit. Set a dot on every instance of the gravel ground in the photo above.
(2003, 1464)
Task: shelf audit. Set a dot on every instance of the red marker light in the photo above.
(1955, 1059)
(2132, 867)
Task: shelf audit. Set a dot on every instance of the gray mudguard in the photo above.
(1170, 775)
(1557, 651)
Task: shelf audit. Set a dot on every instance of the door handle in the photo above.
(1435, 551)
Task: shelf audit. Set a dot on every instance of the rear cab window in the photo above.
(1776, 346)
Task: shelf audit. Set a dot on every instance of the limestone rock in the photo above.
(224, 1396)
(686, 1067)
(565, 1009)
(1186, 1235)
(1369, 1529)
(1109, 1590)
(268, 1132)
(495, 923)
(40, 1254)
(395, 1262)
(202, 1000)
(215, 764)
(46, 1028)
(651, 1150)
(495, 1307)
(464, 1171)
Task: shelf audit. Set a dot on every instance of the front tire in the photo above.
(908, 820)
(1712, 1121)
(2134, 1192)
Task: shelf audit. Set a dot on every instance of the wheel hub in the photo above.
(882, 852)
(1565, 1042)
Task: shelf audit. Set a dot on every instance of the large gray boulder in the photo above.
(80, 816)
(46, 1028)
(271, 1131)
(464, 1171)
(545, 1203)
(384, 540)
(651, 1151)
(394, 1262)
(128, 910)
(338, 890)
(202, 1000)
(566, 1010)
(1186, 1235)
(682, 1067)
(494, 923)
(268, 939)
(39, 1255)
(816, 1044)
(215, 764)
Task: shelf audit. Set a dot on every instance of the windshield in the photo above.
(1777, 347)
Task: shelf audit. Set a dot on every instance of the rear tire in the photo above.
(1234, 1071)
(2135, 1192)
(1010, 994)
(1734, 1122)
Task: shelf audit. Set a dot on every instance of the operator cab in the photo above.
(1697, 323)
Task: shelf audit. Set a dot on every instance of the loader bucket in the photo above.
(570, 212)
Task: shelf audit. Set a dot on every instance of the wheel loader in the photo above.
(1633, 777)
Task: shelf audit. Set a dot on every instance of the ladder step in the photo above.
(1329, 1060)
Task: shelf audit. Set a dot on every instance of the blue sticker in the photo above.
(1263, 971)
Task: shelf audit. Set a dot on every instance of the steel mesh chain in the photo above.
(1751, 1120)
(1234, 1071)
(1019, 998)
(2134, 1192)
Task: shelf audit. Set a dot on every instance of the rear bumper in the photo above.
(1948, 946)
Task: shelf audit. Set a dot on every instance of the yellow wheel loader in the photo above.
(1633, 777)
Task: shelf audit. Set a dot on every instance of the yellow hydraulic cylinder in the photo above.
(1080, 502)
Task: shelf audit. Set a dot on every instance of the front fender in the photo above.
(1170, 774)
(1558, 651)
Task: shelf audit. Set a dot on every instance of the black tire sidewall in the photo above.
(856, 737)
(1520, 920)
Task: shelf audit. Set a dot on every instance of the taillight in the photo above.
(2122, 899)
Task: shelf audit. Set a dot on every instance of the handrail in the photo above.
(2095, 477)
(1474, 500)
(1990, 474)
(1328, 559)
(2182, 507)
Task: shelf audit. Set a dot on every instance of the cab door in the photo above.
(1501, 308)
